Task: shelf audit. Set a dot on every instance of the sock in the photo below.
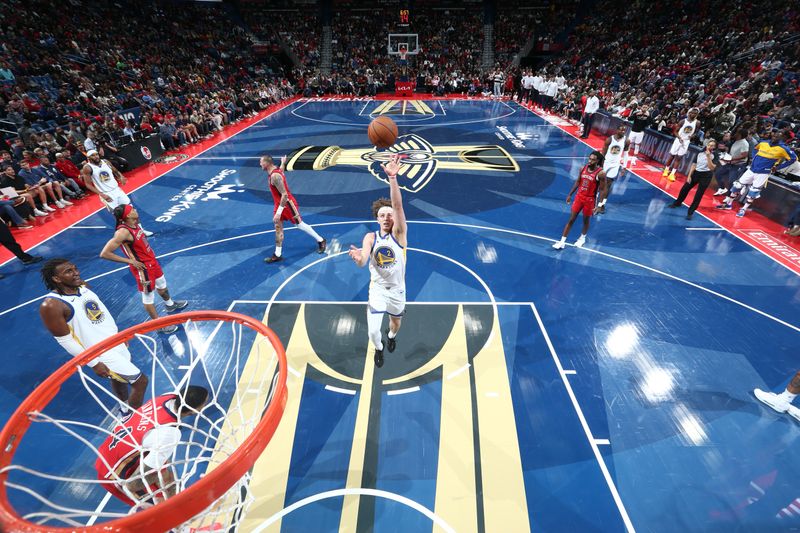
(602, 202)
(169, 302)
(788, 396)
(278, 250)
(392, 334)
(374, 321)
(636, 150)
(583, 236)
(563, 239)
(308, 230)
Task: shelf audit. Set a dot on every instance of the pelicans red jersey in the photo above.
(121, 454)
(588, 183)
(140, 250)
(291, 212)
(587, 191)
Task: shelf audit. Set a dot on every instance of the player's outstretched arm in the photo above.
(361, 255)
(400, 227)
(112, 245)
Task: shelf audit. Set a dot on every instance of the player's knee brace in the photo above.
(753, 194)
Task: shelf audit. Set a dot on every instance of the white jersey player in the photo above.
(78, 319)
(102, 178)
(683, 134)
(385, 251)
(615, 152)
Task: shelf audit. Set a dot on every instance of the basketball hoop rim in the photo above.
(183, 505)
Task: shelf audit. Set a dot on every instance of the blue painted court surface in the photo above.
(592, 389)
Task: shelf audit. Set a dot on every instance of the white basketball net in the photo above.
(240, 379)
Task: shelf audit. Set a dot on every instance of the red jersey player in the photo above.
(132, 461)
(130, 238)
(285, 208)
(587, 186)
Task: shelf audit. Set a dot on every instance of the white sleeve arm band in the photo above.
(73, 347)
(279, 211)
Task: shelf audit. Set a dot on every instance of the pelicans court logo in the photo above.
(420, 160)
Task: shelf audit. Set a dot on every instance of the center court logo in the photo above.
(212, 189)
(420, 160)
(93, 311)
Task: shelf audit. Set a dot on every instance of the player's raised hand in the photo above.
(393, 166)
(283, 162)
(355, 254)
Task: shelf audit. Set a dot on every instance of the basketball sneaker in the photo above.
(177, 305)
(665, 173)
(147, 233)
(741, 212)
(66, 202)
(47, 208)
(772, 400)
(601, 210)
(724, 206)
(581, 241)
(721, 191)
(321, 245)
(671, 176)
(559, 245)
(391, 343)
(273, 259)
(169, 330)
(794, 412)
(379, 358)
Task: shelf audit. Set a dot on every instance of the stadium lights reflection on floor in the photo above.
(622, 340)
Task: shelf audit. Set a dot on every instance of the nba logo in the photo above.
(146, 153)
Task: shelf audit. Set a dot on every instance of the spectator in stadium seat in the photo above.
(10, 178)
(37, 181)
(68, 168)
(68, 185)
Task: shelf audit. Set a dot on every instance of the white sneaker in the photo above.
(559, 245)
(48, 208)
(794, 412)
(60, 205)
(772, 400)
(38, 213)
(65, 201)
(147, 233)
(581, 241)
(720, 191)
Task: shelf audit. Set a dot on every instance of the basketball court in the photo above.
(606, 388)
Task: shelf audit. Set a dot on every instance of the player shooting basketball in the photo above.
(385, 251)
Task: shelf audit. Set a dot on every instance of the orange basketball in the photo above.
(382, 132)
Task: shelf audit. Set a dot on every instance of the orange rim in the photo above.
(187, 503)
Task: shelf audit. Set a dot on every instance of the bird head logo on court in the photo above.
(420, 159)
(385, 257)
(93, 312)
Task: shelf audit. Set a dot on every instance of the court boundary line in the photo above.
(576, 405)
(456, 225)
(730, 232)
(362, 124)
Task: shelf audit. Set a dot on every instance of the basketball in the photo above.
(382, 132)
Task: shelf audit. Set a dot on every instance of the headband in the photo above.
(126, 211)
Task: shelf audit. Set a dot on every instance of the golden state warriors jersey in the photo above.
(387, 262)
(90, 322)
